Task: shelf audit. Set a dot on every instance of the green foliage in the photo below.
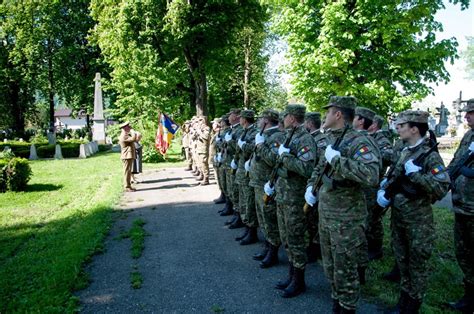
(136, 279)
(16, 174)
(383, 52)
(468, 56)
(3, 175)
(137, 236)
(7, 153)
(151, 155)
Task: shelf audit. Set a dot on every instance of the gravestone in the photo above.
(58, 153)
(82, 151)
(5, 140)
(98, 129)
(88, 149)
(443, 114)
(33, 154)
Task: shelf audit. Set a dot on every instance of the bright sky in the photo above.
(458, 24)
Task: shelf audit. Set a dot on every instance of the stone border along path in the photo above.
(191, 262)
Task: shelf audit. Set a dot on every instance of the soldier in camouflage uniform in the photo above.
(342, 208)
(245, 146)
(363, 119)
(261, 165)
(185, 142)
(297, 164)
(193, 141)
(412, 222)
(463, 207)
(203, 136)
(231, 139)
(218, 166)
(313, 126)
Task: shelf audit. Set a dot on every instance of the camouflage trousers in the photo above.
(374, 232)
(267, 217)
(248, 214)
(232, 188)
(341, 243)
(189, 159)
(221, 179)
(292, 226)
(312, 217)
(464, 241)
(413, 238)
(203, 164)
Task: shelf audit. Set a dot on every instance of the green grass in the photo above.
(445, 281)
(173, 159)
(136, 279)
(50, 230)
(137, 235)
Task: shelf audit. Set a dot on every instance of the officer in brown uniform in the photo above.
(127, 149)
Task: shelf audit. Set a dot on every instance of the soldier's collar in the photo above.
(235, 125)
(419, 142)
(315, 131)
(272, 128)
(250, 126)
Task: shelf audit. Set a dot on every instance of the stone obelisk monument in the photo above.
(98, 129)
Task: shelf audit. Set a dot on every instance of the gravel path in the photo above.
(191, 262)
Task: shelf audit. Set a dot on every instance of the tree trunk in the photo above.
(17, 111)
(247, 52)
(200, 81)
(51, 88)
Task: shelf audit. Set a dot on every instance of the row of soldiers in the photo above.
(321, 192)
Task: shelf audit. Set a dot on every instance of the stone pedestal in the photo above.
(82, 151)
(58, 154)
(33, 154)
(98, 129)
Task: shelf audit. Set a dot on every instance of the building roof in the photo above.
(65, 112)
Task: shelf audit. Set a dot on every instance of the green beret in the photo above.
(271, 114)
(365, 113)
(418, 116)
(295, 110)
(469, 106)
(348, 102)
(247, 114)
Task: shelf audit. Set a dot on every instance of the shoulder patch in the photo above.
(439, 173)
(321, 143)
(275, 147)
(305, 154)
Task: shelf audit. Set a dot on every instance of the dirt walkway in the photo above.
(191, 262)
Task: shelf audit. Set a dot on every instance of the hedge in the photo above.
(69, 149)
(15, 174)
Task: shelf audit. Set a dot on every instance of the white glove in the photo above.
(330, 153)
(410, 167)
(309, 196)
(215, 158)
(241, 143)
(471, 147)
(268, 190)
(219, 157)
(218, 139)
(259, 139)
(383, 183)
(381, 200)
(233, 165)
(247, 165)
(282, 149)
(228, 137)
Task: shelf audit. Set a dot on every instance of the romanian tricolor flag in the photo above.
(166, 130)
(436, 170)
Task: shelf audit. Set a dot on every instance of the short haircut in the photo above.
(367, 122)
(347, 113)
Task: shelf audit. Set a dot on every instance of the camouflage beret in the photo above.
(469, 106)
(418, 116)
(313, 116)
(379, 119)
(295, 110)
(365, 113)
(348, 102)
(235, 111)
(247, 114)
(271, 114)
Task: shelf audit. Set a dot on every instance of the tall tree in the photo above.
(383, 52)
(468, 56)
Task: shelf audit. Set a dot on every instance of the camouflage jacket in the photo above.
(385, 146)
(432, 181)
(203, 137)
(296, 169)
(265, 157)
(463, 187)
(244, 154)
(231, 147)
(341, 194)
(321, 141)
(398, 146)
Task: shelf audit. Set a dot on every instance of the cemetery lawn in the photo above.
(50, 231)
(445, 283)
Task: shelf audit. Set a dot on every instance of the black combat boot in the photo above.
(205, 181)
(251, 237)
(220, 199)
(361, 272)
(243, 235)
(393, 275)
(271, 258)
(466, 303)
(200, 177)
(375, 250)
(412, 306)
(232, 219)
(282, 284)
(347, 311)
(336, 307)
(237, 223)
(297, 285)
(313, 252)
(228, 209)
(261, 255)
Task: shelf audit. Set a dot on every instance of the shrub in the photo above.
(6, 153)
(104, 147)
(3, 175)
(46, 151)
(151, 155)
(18, 173)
